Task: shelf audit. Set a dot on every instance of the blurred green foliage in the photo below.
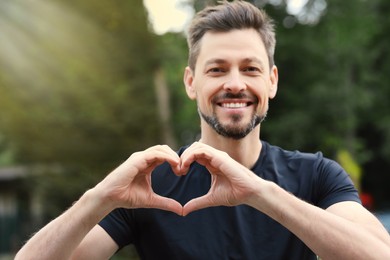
(79, 84)
(334, 88)
(76, 90)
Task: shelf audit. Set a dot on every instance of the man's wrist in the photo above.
(97, 201)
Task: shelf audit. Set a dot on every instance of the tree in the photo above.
(76, 89)
(375, 124)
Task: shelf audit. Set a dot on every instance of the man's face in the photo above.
(232, 82)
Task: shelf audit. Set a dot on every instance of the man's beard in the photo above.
(233, 132)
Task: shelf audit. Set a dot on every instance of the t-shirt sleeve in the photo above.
(118, 225)
(334, 184)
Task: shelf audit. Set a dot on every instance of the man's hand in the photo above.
(231, 183)
(129, 185)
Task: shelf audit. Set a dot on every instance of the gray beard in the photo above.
(235, 133)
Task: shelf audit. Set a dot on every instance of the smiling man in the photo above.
(232, 74)
(247, 198)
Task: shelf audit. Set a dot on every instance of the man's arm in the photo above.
(97, 245)
(346, 230)
(60, 237)
(128, 186)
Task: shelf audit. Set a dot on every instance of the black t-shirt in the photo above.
(239, 232)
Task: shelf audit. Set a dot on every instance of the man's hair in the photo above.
(226, 17)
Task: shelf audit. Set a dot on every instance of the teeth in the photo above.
(233, 105)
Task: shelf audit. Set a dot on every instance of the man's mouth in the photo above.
(234, 101)
(235, 104)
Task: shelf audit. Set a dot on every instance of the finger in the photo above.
(150, 158)
(168, 204)
(171, 157)
(197, 204)
(163, 155)
(196, 152)
(186, 157)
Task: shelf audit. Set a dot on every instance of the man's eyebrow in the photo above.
(215, 61)
(255, 60)
(245, 60)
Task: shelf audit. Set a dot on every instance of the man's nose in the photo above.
(234, 83)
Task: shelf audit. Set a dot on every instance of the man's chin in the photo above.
(235, 129)
(233, 132)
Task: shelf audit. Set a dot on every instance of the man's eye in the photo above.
(251, 69)
(215, 70)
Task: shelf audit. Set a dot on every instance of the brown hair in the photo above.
(226, 17)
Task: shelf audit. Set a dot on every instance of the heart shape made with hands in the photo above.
(227, 187)
(184, 188)
(186, 203)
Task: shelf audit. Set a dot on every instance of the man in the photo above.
(247, 199)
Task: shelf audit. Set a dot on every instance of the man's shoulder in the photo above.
(275, 152)
(284, 160)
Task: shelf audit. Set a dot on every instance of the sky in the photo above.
(174, 15)
(168, 15)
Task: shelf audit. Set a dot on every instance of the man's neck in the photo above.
(245, 150)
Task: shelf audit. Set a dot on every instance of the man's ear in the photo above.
(188, 81)
(274, 77)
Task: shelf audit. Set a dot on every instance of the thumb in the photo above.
(160, 202)
(196, 204)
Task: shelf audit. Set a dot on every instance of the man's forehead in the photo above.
(233, 38)
(245, 44)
